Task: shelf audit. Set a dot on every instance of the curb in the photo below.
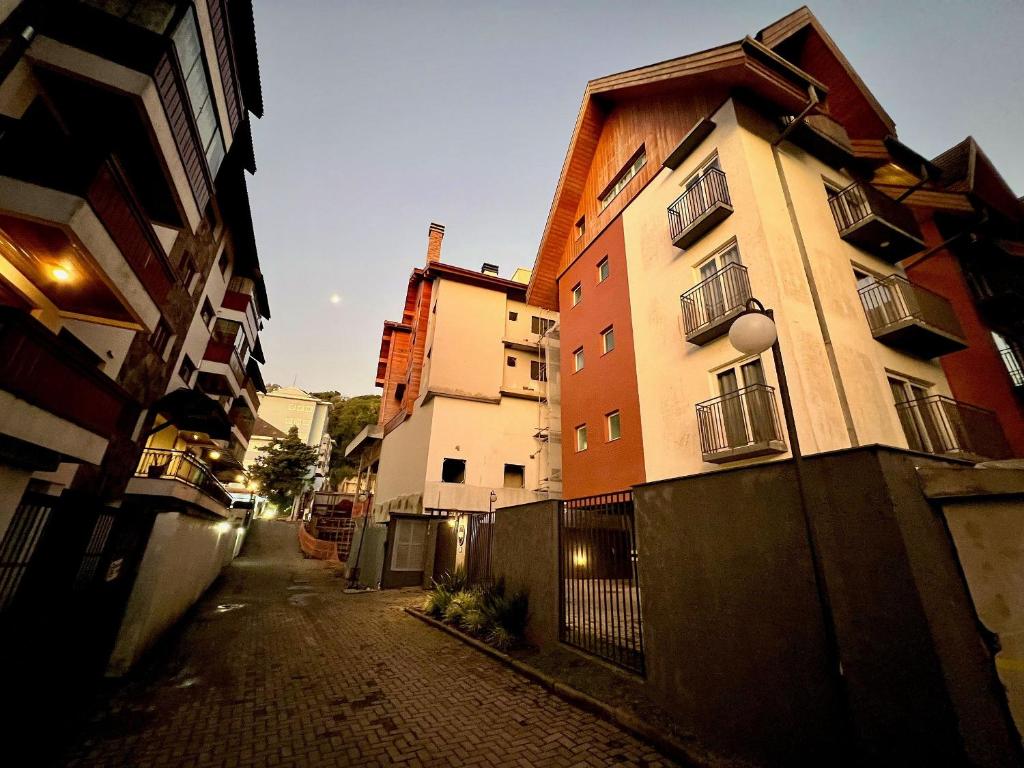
(667, 745)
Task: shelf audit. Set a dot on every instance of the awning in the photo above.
(257, 351)
(192, 411)
(252, 370)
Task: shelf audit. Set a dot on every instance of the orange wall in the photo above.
(976, 375)
(607, 382)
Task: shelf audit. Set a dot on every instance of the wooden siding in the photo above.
(115, 205)
(226, 62)
(170, 84)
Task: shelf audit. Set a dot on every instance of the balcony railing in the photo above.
(182, 467)
(912, 318)
(43, 370)
(1012, 361)
(222, 352)
(699, 209)
(712, 303)
(238, 295)
(242, 417)
(875, 222)
(740, 425)
(944, 426)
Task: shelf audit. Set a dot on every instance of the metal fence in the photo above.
(746, 417)
(157, 463)
(894, 299)
(599, 606)
(715, 297)
(697, 200)
(1012, 361)
(942, 425)
(19, 543)
(479, 533)
(858, 202)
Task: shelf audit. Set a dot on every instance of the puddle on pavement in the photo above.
(225, 607)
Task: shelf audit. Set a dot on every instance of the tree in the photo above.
(281, 472)
(348, 417)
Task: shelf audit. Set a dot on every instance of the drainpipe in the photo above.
(826, 337)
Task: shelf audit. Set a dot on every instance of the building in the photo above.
(464, 419)
(761, 168)
(132, 299)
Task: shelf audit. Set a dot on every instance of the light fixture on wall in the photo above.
(213, 454)
(61, 274)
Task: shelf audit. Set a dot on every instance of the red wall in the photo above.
(607, 382)
(977, 374)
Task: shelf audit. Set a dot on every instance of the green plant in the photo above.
(506, 615)
(437, 602)
(453, 581)
(474, 621)
(460, 604)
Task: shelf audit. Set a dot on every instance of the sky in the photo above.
(381, 117)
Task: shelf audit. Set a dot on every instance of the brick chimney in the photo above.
(434, 237)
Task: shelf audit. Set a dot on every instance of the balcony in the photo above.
(42, 369)
(242, 417)
(699, 209)
(226, 364)
(181, 476)
(238, 295)
(911, 318)
(740, 425)
(1014, 368)
(996, 279)
(876, 223)
(948, 427)
(710, 306)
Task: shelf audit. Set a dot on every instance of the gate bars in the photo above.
(599, 605)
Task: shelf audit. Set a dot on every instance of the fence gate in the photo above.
(478, 547)
(599, 607)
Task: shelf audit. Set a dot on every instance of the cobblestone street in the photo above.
(278, 667)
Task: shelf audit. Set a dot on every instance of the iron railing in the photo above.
(858, 202)
(479, 537)
(744, 418)
(158, 463)
(715, 297)
(20, 541)
(1012, 361)
(697, 200)
(942, 425)
(894, 299)
(599, 605)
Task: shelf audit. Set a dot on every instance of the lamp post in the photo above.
(490, 531)
(754, 332)
(353, 580)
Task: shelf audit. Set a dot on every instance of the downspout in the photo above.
(826, 337)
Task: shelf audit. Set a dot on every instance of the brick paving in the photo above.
(278, 667)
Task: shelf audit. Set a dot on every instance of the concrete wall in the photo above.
(464, 340)
(730, 606)
(526, 555)
(182, 559)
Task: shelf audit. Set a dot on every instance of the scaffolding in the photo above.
(549, 414)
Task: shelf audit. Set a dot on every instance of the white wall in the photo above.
(183, 557)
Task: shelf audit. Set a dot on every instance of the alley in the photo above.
(278, 667)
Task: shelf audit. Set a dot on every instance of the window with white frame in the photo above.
(409, 545)
(633, 166)
(607, 340)
(581, 227)
(614, 426)
(577, 294)
(581, 438)
(577, 360)
(603, 270)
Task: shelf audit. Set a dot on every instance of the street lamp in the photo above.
(753, 332)
(353, 580)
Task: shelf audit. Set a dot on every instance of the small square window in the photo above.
(581, 227)
(400, 392)
(515, 476)
(186, 370)
(577, 294)
(207, 313)
(577, 360)
(510, 361)
(581, 438)
(607, 340)
(453, 471)
(513, 316)
(602, 270)
(614, 426)
(538, 371)
(540, 325)
(160, 337)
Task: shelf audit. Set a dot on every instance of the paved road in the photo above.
(279, 668)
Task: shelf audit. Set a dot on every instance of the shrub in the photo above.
(461, 603)
(453, 581)
(506, 616)
(474, 621)
(437, 602)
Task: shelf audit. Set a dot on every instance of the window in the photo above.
(577, 360)
(614, 426)
(513, 316)
(207, 313)
(160, 337)
(724, 294)
(510, 361)
(577, 294)
(602, 270)
(409, 545)
(515, 476)
(188, 270)
(581, 227)
(1012, 357)
(607, 340)
(186, 370)
(453, 471)
(189, 49)
(919, 418)
(700, 173)
(538, 371)
(633, 166)
(223, 262)
(581, 438)
(400, 392)
(540, 325)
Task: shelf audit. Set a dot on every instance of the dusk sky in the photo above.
(384, 116)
